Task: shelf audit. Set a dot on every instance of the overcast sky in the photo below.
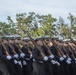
(55, 7)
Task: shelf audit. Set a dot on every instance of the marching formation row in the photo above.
(40, 56)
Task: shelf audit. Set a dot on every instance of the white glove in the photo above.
(53, 62)
(24, 63)
(9, 57)
(30, 56)
(22, 55)
(19, 62)
(57, 63)
(61, 59)
(15, 61)
(51, 56)
(68, 62)
(64, 56)
(16, 55)
(45, 58)
(75, 59)
(69, 59)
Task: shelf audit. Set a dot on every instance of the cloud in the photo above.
(55, 7)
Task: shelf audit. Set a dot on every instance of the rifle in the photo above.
(60, 50)
(26, 48)
(12, 49)
(65, 51)
(71, 51)
(73, 41)
(49, 52)
(31, 45)
(42, 54)
(18, 48)
(59, 54)
(5, 50)
(73, 48)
